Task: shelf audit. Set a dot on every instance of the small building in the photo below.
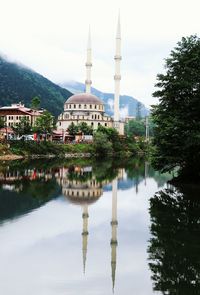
(14, 113)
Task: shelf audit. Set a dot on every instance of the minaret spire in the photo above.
(117, 76)
(114, 223)
(85, 234)
(88, 64)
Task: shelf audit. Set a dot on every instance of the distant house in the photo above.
(14, 113)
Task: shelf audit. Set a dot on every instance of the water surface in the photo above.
(84, 227)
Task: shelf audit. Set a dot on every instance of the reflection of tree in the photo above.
(174, 250)
(33, 194)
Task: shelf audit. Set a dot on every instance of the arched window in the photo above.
(95, 106)
(74, 106)
(70, 106)
(95, 116)
(85, 107)
(79, 106)
(99, 124)
(105, 124)
(92, 124)
(90, 106)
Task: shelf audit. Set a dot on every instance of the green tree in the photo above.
(138, 111)
(85, 129)
(2, 122)
(177, 116)
(73, 129)
(44, 123)
(135, 128)
(102, 145)
(23, 127)
(35, 103)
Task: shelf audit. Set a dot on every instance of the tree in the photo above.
(23, 127)
(44, 123)
(102, 145)
(73, 129)
(135, 128)
(2, 122)
(85, 129)
(35, 103)
(177, 116)
(138, 111)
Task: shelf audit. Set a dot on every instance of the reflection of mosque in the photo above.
(82, 188)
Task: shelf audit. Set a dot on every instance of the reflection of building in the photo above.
(10, 179)
(80, 187)
(114, 223)
(88, 108)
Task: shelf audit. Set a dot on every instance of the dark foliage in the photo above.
(177, 116)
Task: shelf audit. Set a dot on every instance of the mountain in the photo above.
(128, 104)
(18, 83)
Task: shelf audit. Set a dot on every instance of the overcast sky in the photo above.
(50, 36)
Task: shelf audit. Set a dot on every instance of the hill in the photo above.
(128, 104)
(18, 83)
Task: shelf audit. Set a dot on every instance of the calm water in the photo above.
(83, 227)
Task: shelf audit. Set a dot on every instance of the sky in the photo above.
(50, 36)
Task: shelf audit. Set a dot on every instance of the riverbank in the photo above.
(36, 150)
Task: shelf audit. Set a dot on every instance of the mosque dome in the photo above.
(84, 98)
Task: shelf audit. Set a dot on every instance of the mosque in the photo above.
(88, 108)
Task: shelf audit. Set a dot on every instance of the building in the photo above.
(14, 113)
(88, 108)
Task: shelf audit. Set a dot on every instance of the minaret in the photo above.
(114, 223)
(88, 65)
(117, 76)
(85, 234)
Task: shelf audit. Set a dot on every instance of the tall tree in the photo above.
(45, 123)
(177, 116)
(35, 103)
(23, 127)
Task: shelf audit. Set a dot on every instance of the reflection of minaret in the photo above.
(85, 234)
(117, 76)
(88, 65)
(114, 231)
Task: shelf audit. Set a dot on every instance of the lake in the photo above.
(96, 227)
